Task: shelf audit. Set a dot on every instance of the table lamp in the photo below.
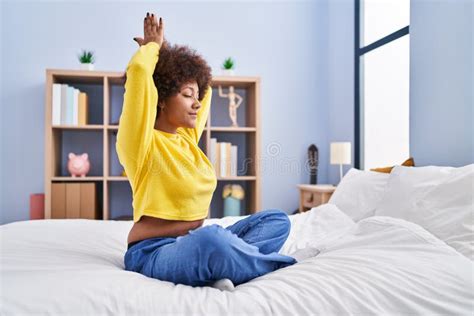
(340, 155)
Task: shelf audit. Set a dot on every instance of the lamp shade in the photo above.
(341, 153)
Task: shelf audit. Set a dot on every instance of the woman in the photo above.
(173, 181)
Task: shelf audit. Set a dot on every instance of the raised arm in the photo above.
(221, 94)
(138, 116)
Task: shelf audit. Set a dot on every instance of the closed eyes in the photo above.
(190, 96)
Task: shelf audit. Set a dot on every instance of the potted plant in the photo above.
(228, 67)
(86, 58)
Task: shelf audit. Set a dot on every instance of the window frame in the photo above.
(359, 52)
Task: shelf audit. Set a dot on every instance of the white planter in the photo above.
(228, 72)
(87, 66)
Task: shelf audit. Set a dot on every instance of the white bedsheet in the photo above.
(380, 265)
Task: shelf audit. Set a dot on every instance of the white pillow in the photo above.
(440, 199)
(359, 192)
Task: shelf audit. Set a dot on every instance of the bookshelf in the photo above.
(105, 94)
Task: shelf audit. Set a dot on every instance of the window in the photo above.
(381, 82)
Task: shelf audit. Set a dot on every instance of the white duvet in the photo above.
(378, 266)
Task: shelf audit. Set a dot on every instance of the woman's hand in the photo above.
(152, 29)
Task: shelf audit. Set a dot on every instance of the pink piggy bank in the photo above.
(78, 165)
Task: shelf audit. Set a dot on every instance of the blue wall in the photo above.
(285, 43)
(340, 74)
(441, 89)
(2, 114)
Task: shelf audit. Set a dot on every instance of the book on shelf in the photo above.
(227, 159)
(223, 156)
(83, 108)
(74, 200)
(233, 161)
(56, 110)
(69, 105)
(222, 159)
(63, 104)
(217, 152)
(75, 107)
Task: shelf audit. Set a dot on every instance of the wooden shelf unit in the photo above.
(104, 81)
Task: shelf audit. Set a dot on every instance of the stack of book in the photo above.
(74, 200)
(223, 156)
(70, 105)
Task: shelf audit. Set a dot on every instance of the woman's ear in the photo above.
(161, 104)
(159, 108)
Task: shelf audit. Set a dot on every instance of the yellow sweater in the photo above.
(170, 176)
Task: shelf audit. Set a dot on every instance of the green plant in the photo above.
(86, 57)
(228, 64)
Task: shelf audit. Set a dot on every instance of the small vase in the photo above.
(228, 72)
(37, 206)
(88, 66)
(231, 206)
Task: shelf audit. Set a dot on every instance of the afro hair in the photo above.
(177, 65)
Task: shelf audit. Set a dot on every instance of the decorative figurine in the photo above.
(78, 165)
(232, 105)
(313, 159)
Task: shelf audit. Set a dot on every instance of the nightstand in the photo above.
(312, 195)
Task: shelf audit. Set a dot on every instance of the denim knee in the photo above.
(206, 235)
(212, 238)
(276, 214)
(279, 220)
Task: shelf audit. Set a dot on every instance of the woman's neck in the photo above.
(163, 125)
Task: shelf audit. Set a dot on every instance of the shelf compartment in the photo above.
(246, 161)
(98, 214)
(115, 168)
(93, 87)
(217, 202)
(119, 199)
(78, 142)
(220, 108)
(116, 92)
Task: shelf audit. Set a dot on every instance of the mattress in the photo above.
(379, 265)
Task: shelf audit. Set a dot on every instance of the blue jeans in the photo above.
(240, 252)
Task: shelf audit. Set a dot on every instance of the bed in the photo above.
(375, 265)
